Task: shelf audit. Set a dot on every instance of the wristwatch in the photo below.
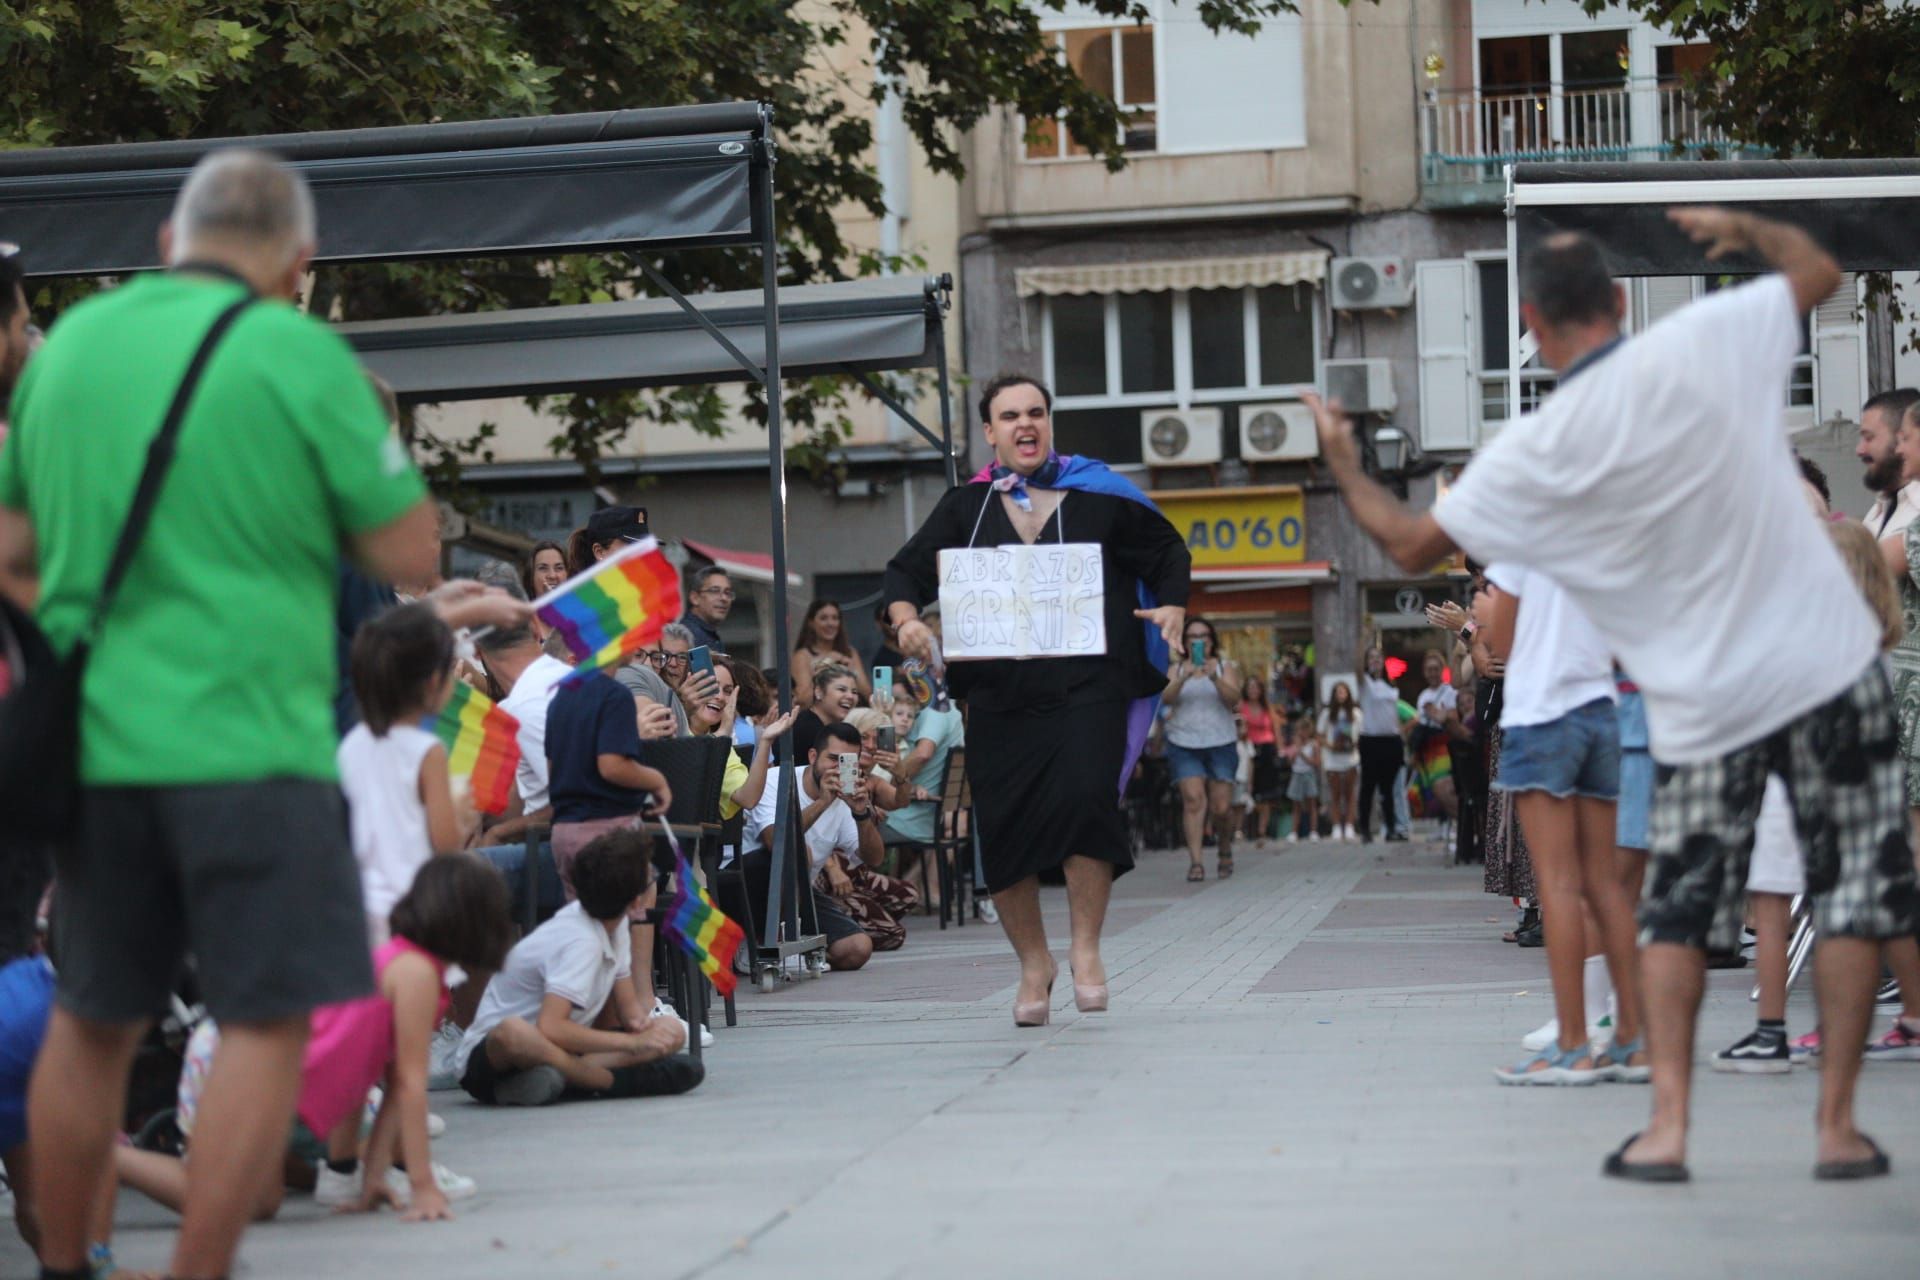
(861, 817)
(1466, 632)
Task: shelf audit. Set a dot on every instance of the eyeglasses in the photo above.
(718, 593)
(673, 660)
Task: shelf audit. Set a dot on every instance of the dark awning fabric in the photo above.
(862, 325)
(670, 176)
(1865, 212)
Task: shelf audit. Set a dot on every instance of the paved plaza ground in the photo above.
(1293, 1081)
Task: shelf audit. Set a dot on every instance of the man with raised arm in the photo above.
(1657, 487)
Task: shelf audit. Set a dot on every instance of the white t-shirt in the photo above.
(834, 832)
(571, 955)
(1445, 697)
(1559, 659)
(527, 702)
(1656, 486)
(388, 820)
(1379, 708)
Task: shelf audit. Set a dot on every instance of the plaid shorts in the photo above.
(1842, 766)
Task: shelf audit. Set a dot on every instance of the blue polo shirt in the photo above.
(585, 721)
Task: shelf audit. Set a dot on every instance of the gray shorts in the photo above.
(255, 880)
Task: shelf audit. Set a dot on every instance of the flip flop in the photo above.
(1196, 873)
(1874, 1166)
(1616, 1166)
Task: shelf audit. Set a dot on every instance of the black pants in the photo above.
(1381, 756)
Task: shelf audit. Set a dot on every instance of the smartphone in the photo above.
(700, 661)
(883, 737)
(883, 683)
(1197, 652)
(849, 773)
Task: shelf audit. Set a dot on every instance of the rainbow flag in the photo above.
(483, 742)
(702, 929)
(611, 611)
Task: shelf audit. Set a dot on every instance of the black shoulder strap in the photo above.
(159, 457)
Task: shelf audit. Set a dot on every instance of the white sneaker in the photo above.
(1292, 838)
(375, 1096)
(986, 911)
(661, 1009)
(335, 1189)
(1599, 1034)
(452, 1185)
(443, 1059)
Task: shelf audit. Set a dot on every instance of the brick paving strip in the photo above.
(1293, 1082)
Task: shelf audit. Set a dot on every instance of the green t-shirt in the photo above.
(216, 662)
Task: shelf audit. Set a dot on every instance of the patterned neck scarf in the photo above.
(1009, 481)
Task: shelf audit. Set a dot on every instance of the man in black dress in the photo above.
(1049, 742)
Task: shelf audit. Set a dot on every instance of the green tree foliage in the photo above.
(88, 71)
(1803, 77)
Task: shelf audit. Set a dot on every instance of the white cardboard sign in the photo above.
(1018, 601)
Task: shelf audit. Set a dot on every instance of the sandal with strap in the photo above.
(1874, 1166)
(1615, 1063)
(1616, 1166)
(1558, 1068)
(1196, 873)
(1226, 867)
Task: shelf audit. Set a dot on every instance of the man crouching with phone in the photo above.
(842, 829)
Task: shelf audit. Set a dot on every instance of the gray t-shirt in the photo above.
(1200, 717)
(637, 677)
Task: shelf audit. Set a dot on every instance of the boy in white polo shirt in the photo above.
(562, 1014)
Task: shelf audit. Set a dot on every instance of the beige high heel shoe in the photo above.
(1034, 1013)
(1090, 999)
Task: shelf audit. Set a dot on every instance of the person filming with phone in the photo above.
(1203, 688)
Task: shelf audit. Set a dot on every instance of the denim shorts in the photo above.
(1216, 764)
(1576, 755)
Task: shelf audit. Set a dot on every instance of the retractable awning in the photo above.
(1306, 266)
(855, 326)
(672, 177)
(1865, 212)
(754, 566)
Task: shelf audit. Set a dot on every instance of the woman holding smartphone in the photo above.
(1203, 688)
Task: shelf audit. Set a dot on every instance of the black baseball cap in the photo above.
(612, 523)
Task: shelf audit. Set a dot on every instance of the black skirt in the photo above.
(1046, 785)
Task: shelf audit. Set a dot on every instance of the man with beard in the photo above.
(1896, 504)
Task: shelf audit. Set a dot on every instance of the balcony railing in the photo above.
(1467, 135)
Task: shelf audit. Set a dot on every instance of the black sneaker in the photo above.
(1757, 1054)
(676, 1073)
(1888, 996)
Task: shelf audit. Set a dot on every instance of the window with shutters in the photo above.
(1495, 353)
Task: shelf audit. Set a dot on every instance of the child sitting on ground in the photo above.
(393, 769)
(562, 1015)
(455, 912)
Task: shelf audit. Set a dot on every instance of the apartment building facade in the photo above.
(1320, 204)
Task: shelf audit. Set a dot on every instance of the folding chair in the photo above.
(950, 846)
(694, 769)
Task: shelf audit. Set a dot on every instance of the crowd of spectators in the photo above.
(368, 871)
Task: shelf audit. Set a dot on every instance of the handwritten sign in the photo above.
(1045, 601)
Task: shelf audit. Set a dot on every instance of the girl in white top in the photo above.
(1340, 744)
(392, 768)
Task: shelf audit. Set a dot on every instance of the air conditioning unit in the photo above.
(1179, 437)
(1269, 432)
(1369, 284)
(1361, 386)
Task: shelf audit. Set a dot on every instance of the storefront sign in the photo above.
(1044, 601)
(1227, 528)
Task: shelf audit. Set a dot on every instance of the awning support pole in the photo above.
(879, 391)
(772, 323)
(789, 914)
(946, 397)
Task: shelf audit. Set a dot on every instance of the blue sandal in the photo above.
(1615, 1063)
(1559, 1068)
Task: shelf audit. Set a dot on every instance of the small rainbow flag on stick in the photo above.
(703, 930)
(614, 609)
(483, 742)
